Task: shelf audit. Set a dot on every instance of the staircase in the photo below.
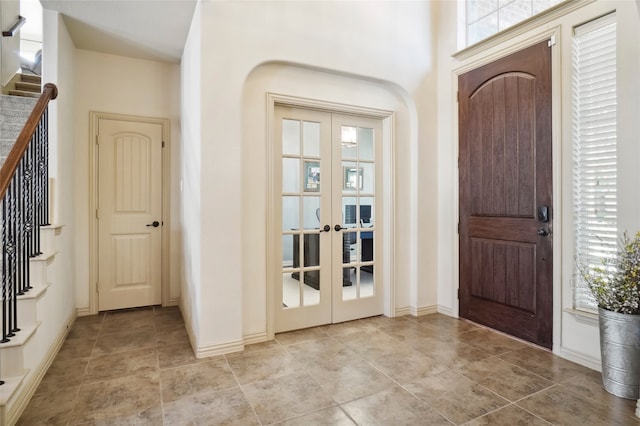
(28, 250)
(17, 368)
(14, 112)
(28, 85)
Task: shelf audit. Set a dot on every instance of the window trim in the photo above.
(527, 26)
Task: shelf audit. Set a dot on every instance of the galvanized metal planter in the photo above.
(620, 351)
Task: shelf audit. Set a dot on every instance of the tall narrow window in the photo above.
(594, 148)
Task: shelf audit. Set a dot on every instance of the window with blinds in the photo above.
(594, 148)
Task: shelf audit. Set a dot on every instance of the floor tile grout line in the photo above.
(244, 393)
(160, 383)
(526, 369)
(588, 398)
(515, 404)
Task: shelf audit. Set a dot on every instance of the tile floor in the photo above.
(137, 368)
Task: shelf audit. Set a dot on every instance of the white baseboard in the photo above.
(446, 311)
(402, 311)
(221, 349)
(24, 394)
(83, 312)
(582, 359)
(425, 310)
(250, 339)
(174, 302)
(416, 312)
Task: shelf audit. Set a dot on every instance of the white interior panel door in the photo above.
(129, 214)
(325, 210)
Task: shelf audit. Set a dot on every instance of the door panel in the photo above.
(129, 200)
(356, 147)
(505, 175)
(303, 283)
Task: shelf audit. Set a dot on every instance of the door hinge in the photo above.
(458, 294)
(552, 41)
(97, 214)
(97, 140)
(458, 97)
(163, 144)
(458, 228)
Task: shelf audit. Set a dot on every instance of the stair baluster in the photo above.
(25, 209)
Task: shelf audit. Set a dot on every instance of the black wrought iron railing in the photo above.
(24, 208)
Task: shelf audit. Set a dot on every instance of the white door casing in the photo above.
(129, 202)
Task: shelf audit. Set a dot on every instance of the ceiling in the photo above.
(147, 29)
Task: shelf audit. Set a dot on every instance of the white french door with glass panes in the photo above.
(327, 215)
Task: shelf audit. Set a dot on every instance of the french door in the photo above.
(327, 218)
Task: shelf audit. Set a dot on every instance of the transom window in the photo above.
(485, 18)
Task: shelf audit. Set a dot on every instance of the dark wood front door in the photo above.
(505, 189)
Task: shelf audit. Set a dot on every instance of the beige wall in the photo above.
(191, 180)
(358, 53)
(116, 84)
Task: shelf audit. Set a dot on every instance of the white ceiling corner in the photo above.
(146, 29)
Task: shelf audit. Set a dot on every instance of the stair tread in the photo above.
(11, 384)
(31, 78)
(21, 337)
(35, 292)
(24, 93)
(28, 87)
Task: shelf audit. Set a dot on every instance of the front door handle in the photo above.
(325, 228)
(338, 228)
(155, 224)
(543, 232)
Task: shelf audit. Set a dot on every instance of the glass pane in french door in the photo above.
(301, 186)
(358, 211)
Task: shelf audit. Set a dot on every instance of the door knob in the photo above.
(338, 228)
(155, 224)
(543, 232)
(325, 228)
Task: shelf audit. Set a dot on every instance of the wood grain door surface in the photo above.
(505, 173)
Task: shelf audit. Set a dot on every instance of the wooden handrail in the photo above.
(13, 30)
(49, 92)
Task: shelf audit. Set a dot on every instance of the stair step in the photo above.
(12, 352)
(38, 268)
(28, 305)
(24, 94)
(21, 337)
(31, 78)
(10, 386)
(28, 87)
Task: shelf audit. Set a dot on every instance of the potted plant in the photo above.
(616, 287)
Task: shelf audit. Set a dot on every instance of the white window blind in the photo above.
(594, 148)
